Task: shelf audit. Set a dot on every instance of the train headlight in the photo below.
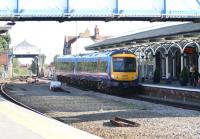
(113, 76)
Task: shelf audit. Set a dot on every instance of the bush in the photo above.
(156, 77)
(184, 76)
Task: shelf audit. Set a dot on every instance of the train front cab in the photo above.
(124, 72)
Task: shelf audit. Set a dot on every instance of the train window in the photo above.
(92, 66)
(79, 66)
(66, 66)
(102, 67)
(122, 64)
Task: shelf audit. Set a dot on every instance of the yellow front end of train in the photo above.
(124, 67)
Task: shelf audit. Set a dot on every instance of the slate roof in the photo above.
(4, 29)
(25, 44)
(151, 34)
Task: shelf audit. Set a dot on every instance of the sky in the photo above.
(49, 35)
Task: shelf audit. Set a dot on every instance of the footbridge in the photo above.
(27, 50)
(104, 10)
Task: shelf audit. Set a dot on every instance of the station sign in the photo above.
(190, 50)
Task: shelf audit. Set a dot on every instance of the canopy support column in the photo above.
(167, 66)
(154, 63)
(199, 62)
(181, 62)
(173, 64)
(142, 68)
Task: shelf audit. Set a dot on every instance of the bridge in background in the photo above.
(27, 50)
(102, 10)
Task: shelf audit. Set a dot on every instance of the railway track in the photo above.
(137, 96)
(3, 91)
(95, 117)
(155, 100)
(117, 121)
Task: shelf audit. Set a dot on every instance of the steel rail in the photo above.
(6, 96)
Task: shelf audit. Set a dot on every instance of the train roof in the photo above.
(96, 55)
(63, 58)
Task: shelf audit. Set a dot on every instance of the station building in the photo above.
(169, 49)
(74, 45)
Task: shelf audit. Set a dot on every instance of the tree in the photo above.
(55, 57)
(16, 66)
(41, 62)
(34, 67)
(7, 38)
(4, 42)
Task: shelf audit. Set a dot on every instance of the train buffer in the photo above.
(120, 122)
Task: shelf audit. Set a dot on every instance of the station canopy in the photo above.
(163, 35)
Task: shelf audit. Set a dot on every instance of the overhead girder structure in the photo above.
(164, 48)
(164, 44)
(102, 10)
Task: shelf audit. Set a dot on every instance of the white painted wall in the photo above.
(80, 44)
(26, 50)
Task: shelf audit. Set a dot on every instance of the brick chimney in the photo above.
(96, 32)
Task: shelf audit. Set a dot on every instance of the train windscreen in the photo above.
(124, 64)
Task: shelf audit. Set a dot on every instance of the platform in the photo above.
(19, 123)
(173, 93)
(173, 87)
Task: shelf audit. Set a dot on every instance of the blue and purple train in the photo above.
(100, 70)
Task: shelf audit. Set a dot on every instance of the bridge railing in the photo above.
(96, 9)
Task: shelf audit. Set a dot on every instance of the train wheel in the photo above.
(107, 90)
(100, 85)
(79, 83)
(85, 83)
(82, 84)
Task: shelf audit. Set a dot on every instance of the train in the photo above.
(100, 70)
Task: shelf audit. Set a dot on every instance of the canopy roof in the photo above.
(165, 34)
